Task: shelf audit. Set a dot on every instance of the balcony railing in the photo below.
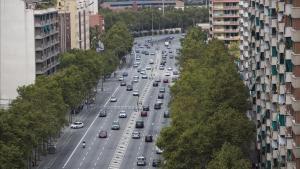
(43, 58)
(47, 45)
(41, 35)
(225, 15)
(227, 8)
(226, 23)
(46, 22)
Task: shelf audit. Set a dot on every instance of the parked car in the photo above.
(129, 88)
(146, 108)
(157, 106)
(123, 83)
(162, 90)
(113, 99)
(160, 96)
(125, 74)
(166, 80)
(155, 84)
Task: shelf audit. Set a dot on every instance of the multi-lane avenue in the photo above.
(119, 149)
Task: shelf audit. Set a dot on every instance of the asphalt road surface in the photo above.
(119, 150)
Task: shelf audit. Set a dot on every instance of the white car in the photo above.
(169, 68)
(158, 150)
(148, 67)
(143, 72)
(152, 53)
(113, 99)
(135, 65)
(136, 77)
(135, 135)
(144, 77)
(122, 114)
(135, 93)
(138, 63)
(77, 125)
(161, 67)
(151, 61)
(141, 161)
(121, 78)
(167, 74)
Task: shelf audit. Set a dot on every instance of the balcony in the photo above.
(296, 150)
(227, 8)
(226, 16)
(296, 35)
(295, 104)
(295, 12)
(295, 58)
(226, 1)
(296, 127)
(225, 23)
(44, 23)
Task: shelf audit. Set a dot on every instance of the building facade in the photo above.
(64, 31)
(46, 33)
(83, 26)
(224, 20)
(270, 68)
(17, 55)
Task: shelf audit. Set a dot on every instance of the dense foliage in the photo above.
(208, 108)
(39, 112)
(142, 19)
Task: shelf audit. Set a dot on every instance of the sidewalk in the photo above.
(47, 161)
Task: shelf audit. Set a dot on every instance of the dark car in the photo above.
(160, 96)
(102, 134)
(102, 113)
(139, 124)
(129, 88)
(157, 106)
(125, 74)
(156, 162)
(146, 108)
(166, 114)
(155, 84)
(144, 113)
(148, 138)
(162, 90)
(166, 80)
(123, 84)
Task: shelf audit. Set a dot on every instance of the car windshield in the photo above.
(77, 123)
(115, 123)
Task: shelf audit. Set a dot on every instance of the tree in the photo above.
(229, 157)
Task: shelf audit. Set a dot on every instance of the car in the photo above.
(166, 114)
(171, 56)
(156, 162)
(115, 125)
(138, 69)
(125, 74)
(151, 61)
(129, 88)
(175, 72)
(166, 80)
(158, 150)
(155, 84)
(142, 72)
(146, 108)
(159, 101)
(162, 90)
(152, 53)
(144, 77)
(102, 134)
(167, 74)
(170, 69)
(135, 80)
(102, 113)
(157, 80)
(164, 56)
(135, 93)
(144, 113)
(161, 67)
(139, 124)
(160, 96)
(135, 65)
(148, 67)
(77, 125)
(136, 135)
(146, 53)
(148, 138)
(136, 77)
(122, 114)
(138, 58)
(170, 51)
(138, 63)
(157, 106)
(141, 161)
(123, 83)
(113, 99)
(121, 78)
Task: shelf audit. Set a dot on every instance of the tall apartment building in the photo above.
(17, 51)
(46, 33)
(270, 67)
(224, 20)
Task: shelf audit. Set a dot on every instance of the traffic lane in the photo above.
(111, 146)
(136, 146)
(92, 132)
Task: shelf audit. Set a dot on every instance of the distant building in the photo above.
(97, 20)
(64, 31)
(224, 20)
(119, 5)
(83, 25)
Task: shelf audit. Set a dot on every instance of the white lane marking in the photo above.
(88, 130)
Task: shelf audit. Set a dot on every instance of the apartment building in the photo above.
(270, 67)
(46, 33)
(224, 20)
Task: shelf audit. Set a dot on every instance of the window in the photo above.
(288, 66)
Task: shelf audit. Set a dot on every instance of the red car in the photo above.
(102, 134)
(166, 80)
(144, 113)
